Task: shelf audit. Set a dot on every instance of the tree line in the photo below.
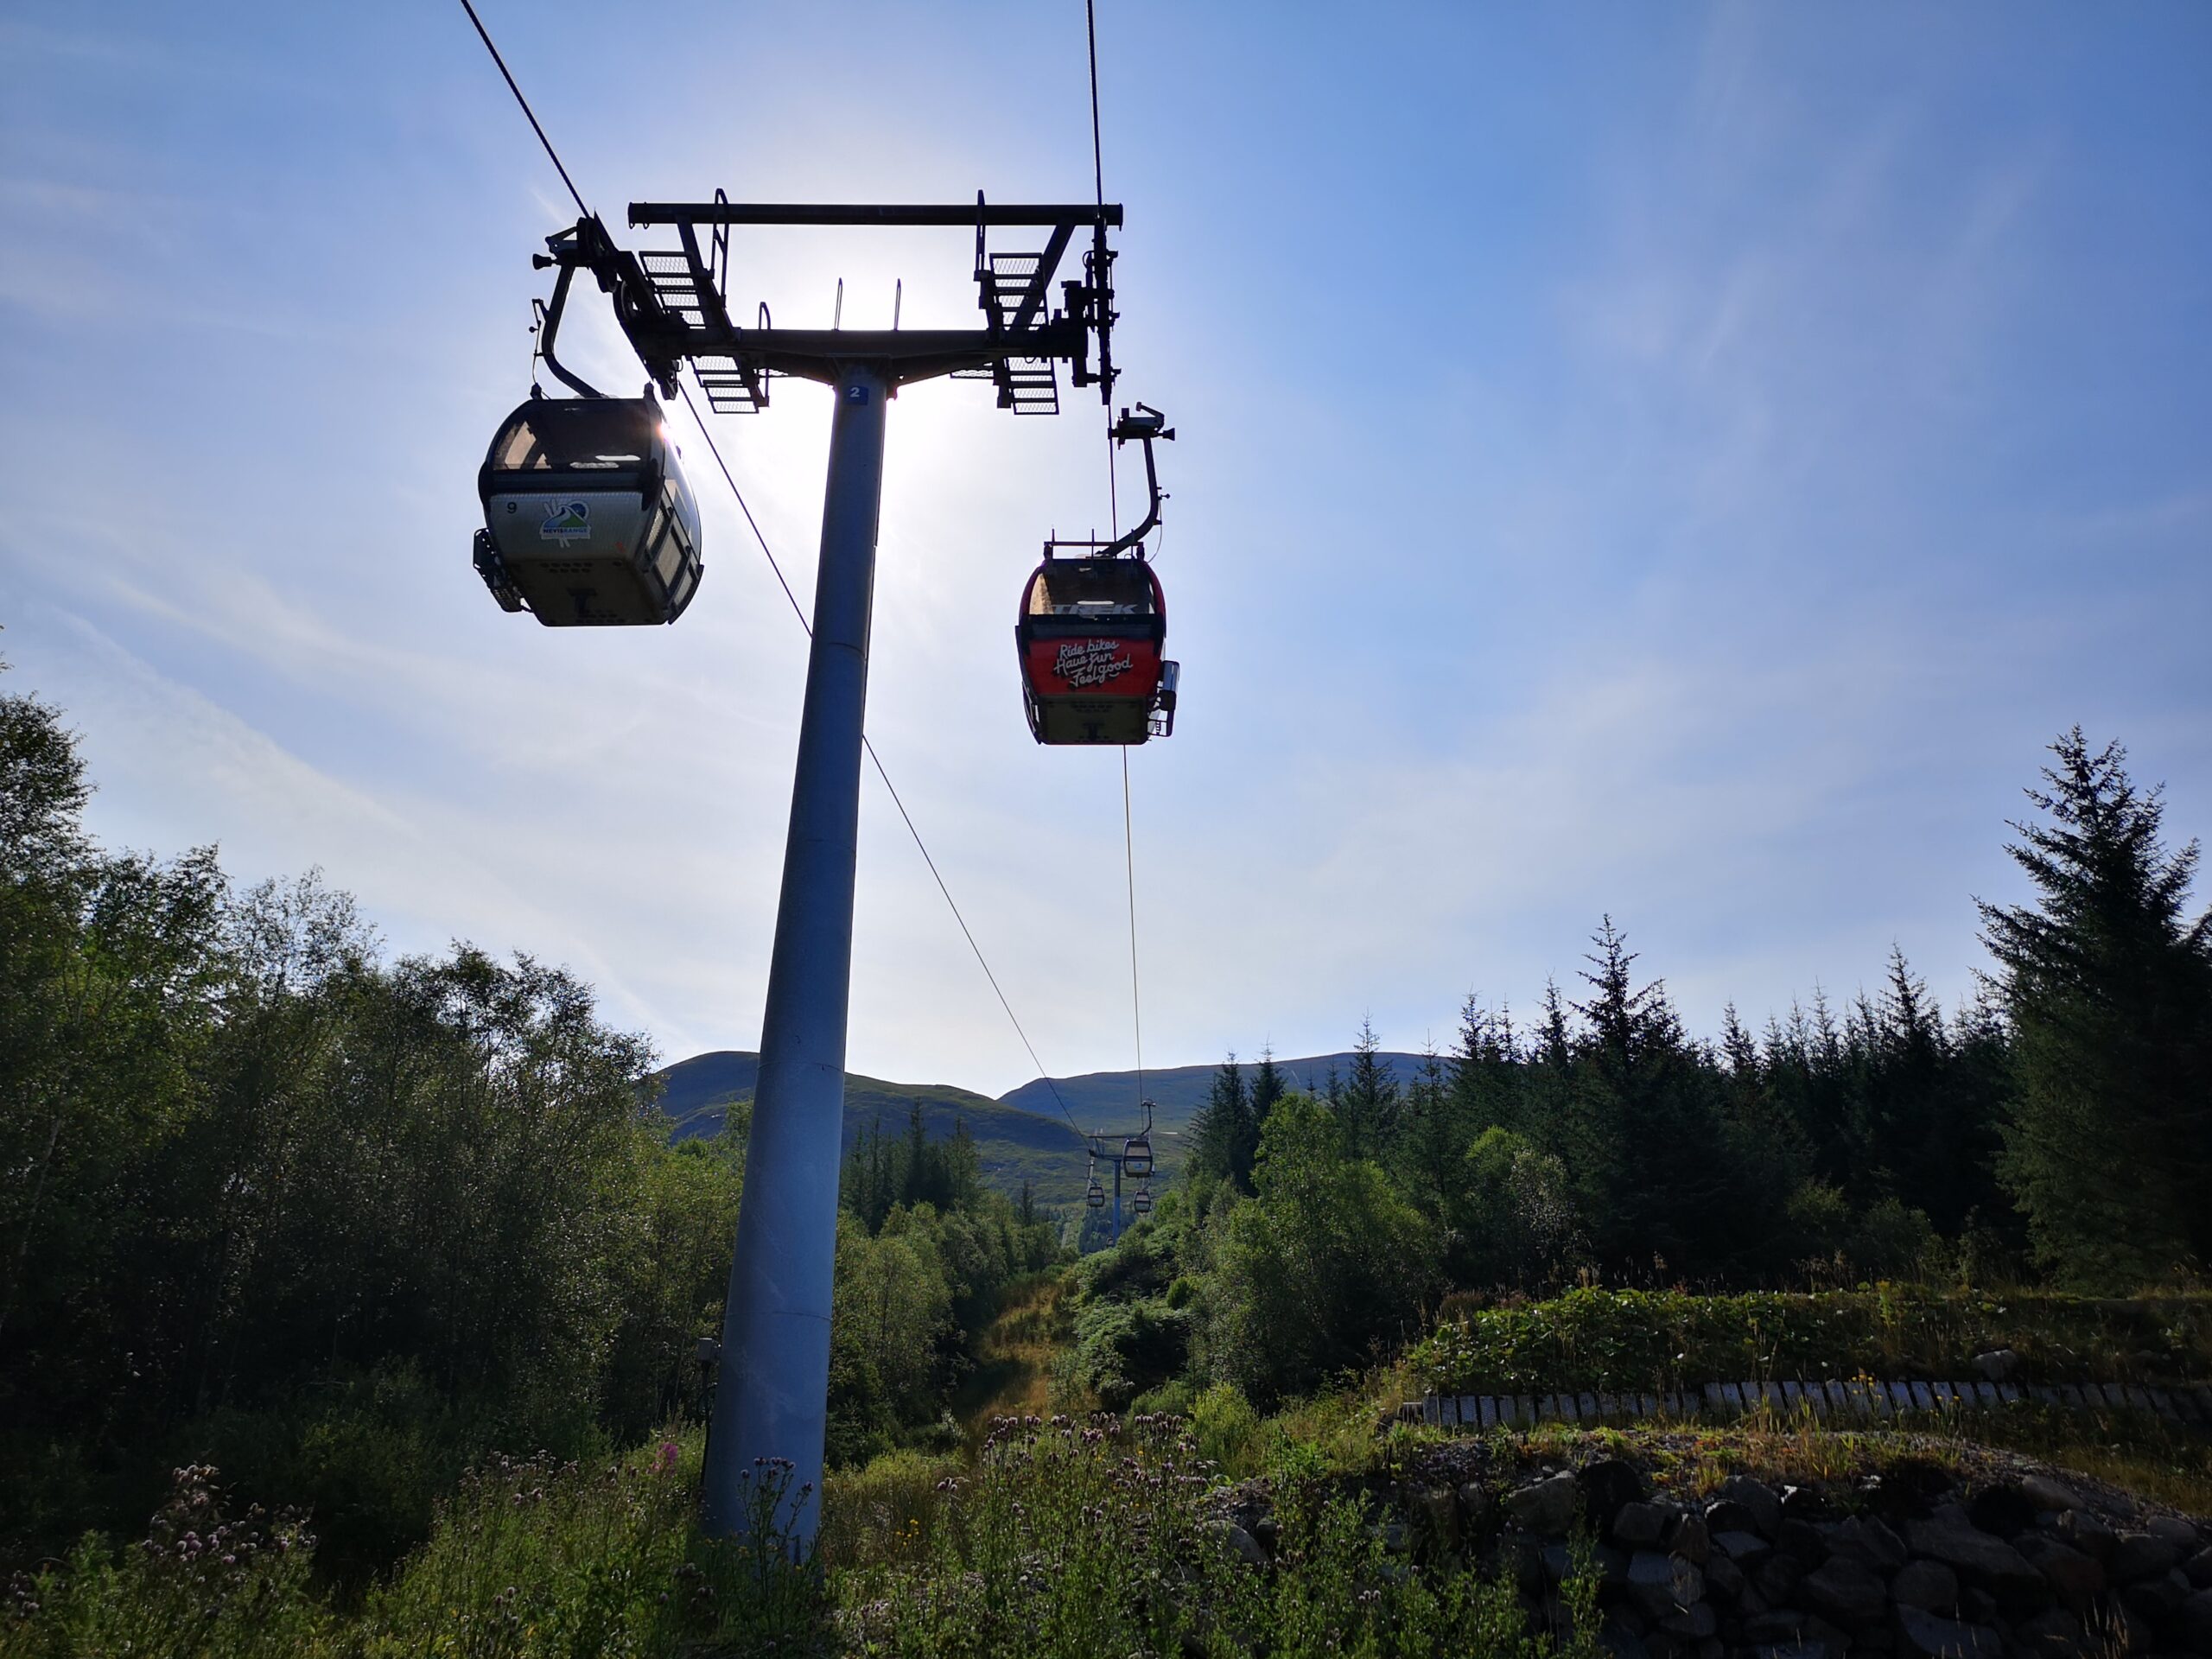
(343, 1225)
(2059, 1124)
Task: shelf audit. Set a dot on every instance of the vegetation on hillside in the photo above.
(344, 1225)
(2058, 1129)
(402, 1247)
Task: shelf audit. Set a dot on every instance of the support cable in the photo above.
(484, 35)
(1113, 510)
(1129, 852)
(715, 449)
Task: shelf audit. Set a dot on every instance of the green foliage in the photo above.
(1615, 1340)
(1124, 1349)
(198, 1584)
(2108, 989)
(1225, 1427)
(1325, 1263)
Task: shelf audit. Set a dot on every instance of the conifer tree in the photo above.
(2109, 990)
(1368, 1100)
(1223, 1136)
(1268, 1087)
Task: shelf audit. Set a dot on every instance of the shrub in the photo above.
(198, 1584)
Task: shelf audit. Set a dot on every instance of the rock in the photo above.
(1559, 1562)
(1607, 1485)
(1801, 1539)
(2079, 1579)
(1692, 1540)
(2048, 1494)
(1929, 1585)
(1795, 1650)
(1943, 1638)
(1621, 1640)
(1845, 1592)
(1723, 1578)
(1523, 1553)
(1547, 1507)
(1869, 1541)
(1726, 1514)
(1805, 1503)
(1693, 1624)
(2088, 1534)
(1660, 1583)
(1977, 1606)
(2198, 1569)
(1786, 1625)
(2157, 1601)
(1763, 1503)
(1395, 1535)
(2175, 1531)
(1266, 1530)
(1747, 1549)
(1639, 1526)
(2139, 1555)
(2196, 1622)
(1998, 1364)
(2006, 1512)
(1246, 1547)
(1989, 1562)
(1778, 1580)
(2117, 1629)
(2051, 1634)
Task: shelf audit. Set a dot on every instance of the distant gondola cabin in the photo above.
(588, 520)
(1090, 635)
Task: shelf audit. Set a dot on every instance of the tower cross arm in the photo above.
(911, 214)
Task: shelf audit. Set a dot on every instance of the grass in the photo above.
(1058, 1538)
(1014, 1355)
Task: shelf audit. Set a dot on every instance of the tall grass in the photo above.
(1061, 1538)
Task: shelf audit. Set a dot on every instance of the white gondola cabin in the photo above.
(1090, 636)
(588, 518)
(1136, 1157)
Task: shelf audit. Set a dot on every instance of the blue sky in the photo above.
(1672, 461)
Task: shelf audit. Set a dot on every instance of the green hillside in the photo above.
(1013, 1144)
(1108, 1100)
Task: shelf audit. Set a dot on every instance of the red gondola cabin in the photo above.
(1090, 637)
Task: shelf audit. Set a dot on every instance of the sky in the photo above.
(1681, 463)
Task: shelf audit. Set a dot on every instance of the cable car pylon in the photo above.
(771, 1400)
(770, 1396)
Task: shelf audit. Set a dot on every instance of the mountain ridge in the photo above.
(1019, 1135)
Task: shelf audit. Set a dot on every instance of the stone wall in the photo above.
(1913, 1563)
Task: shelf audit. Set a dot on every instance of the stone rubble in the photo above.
(1907, 1566)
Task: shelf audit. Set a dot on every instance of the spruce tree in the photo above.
(1223, 1136)
(1369, 1099)
(2109, 990)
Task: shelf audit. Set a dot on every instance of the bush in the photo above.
(1609, 1340)
(198, 1584)
(1226, 1428)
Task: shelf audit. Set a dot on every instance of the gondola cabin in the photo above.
(1090, 636)
(1136, 1157)
(587, 520)
(1141, 1204)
